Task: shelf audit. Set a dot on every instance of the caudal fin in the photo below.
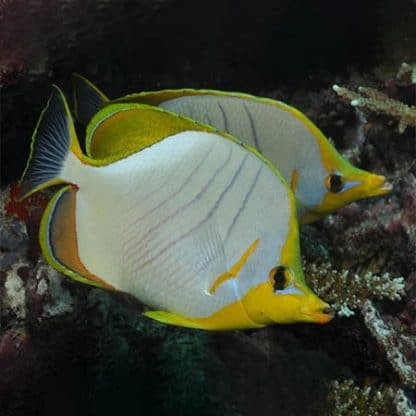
(88, 99)
(53, 139)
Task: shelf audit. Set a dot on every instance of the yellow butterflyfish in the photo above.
(194, 224)
(320, 177)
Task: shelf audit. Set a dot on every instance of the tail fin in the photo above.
(53, 139)
(88, 99)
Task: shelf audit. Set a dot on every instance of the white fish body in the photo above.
(284, 139)
(193, 205)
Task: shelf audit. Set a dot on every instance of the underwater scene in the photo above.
(208, 208)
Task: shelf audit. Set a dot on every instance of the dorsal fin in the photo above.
(123, 129)
(120, 130)
(88, 99)
(158, 97)
(58, 238)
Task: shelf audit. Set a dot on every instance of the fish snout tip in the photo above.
(385, 188)
(325, 315)
(378, 185)
(320, 314)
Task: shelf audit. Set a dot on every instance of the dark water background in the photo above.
(127, 46)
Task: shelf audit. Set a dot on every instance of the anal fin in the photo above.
(58, 238)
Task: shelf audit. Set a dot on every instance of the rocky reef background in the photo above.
(75, 350)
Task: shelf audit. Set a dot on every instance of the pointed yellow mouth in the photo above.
(320, 315)
(377, 186)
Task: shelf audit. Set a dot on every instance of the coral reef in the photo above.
(374, 100)
(347, 399)
(380, 239)
(406, 75)
(347, 292)
(399, 347)
(100, 341)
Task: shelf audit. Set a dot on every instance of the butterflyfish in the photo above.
(191, 222)
(320, 177)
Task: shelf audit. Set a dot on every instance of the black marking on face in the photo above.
(335, 183)
(280, 278)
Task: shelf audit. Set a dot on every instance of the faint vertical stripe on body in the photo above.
(241, 209)
(210, 213)
(224, 116)
(131, 226)
(146, 237)
(253, 128)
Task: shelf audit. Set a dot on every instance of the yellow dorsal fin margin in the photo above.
(233, 273)
(120, 130)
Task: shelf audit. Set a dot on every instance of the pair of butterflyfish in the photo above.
(194, 222)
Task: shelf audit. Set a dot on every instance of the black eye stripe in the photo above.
(336, 183)
(279, 279)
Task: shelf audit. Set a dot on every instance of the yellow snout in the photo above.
(265, 307)
(375, 185)
(315, 310)
(358, 186)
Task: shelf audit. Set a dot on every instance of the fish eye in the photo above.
(280, 278)
(334, 183)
